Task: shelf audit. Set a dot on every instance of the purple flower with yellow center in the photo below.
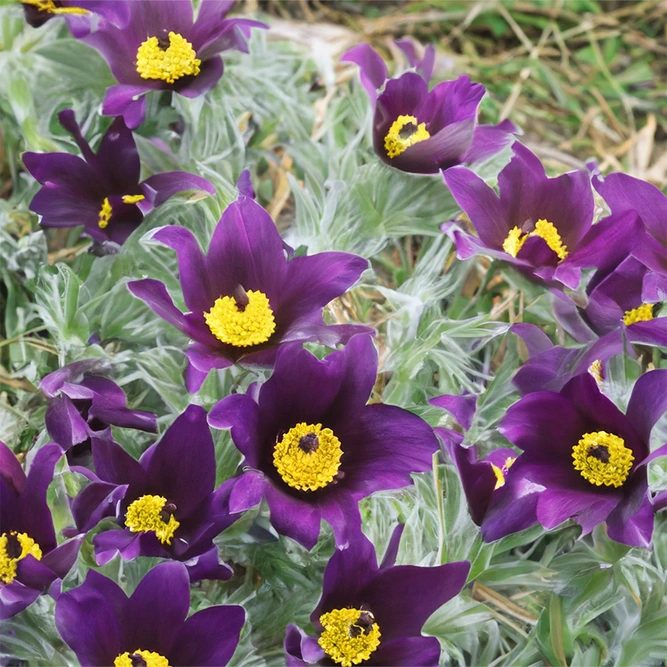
(590, 457)
(422, 132)
(31, 561)
(161, 47)
(83, 403)
(151, 627)
(623, 193)
(313, 447)
(370, 615)
(77, 12)
(166, 502)
(102, 191)
(540, 225)
(500, 501)
(248, 295)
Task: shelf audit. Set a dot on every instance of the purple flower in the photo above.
(541, 225)
(623, 193)
(166, 502)
(31, 561)
(422, 132)
(590, 457)
(101, 191)
(159, 47)
(313, 447)
(373, 615)
(246, 296)
(77, 12)
(83, 403)
(105, 627)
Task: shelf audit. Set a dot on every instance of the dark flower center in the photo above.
(167, 511)
(241, 298)
(408, 130)
(309, 443)
(163, 45)
(13, 547)
(599, 452)
(137, 660)
(363, 625)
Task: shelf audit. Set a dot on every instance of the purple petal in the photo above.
(113, 464)
(14, 598)
(462, 408)
(300, 648)
(372, 70)
(61, 559)
(208, 566)
(94, 502)
(244, 184)
(341, 512)
(110, 543)
(64, 423)
(407, 652)
(294, 518)
(248, 491)
(240, 413)
(209, 75)
(10, 469)
(587, 508)
(648, 402)
(631, 522)
(160, 187)
(127, 101)
(489, 140)
(389, 558)
(535, 339)
(648, 333)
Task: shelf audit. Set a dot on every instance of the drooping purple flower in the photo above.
(31, 561)
(78, 13)
(590, 457)
(248, 296)
(623, 193)
(166, 503)
(83, 403)
(540, 225)
(373, 615)
(312, 446)
(422, 132)
(101, 191)
(103, 626)
(161, 47)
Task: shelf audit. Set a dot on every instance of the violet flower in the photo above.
(312, 446)
(590, 457)
(422, 132)
(161, 47)
(101, 191)
(373, 615)
(31, 561)
(82, 404)
(540, 225)
(246, 296)
(78, 13)
(151, 627)
(166, 503)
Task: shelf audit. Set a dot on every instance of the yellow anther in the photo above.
(105, 214)
(596, 370)
(308, 457)
(602, 458)
(242, 322)
(149, 658)
(545, 230)
(404, 132)
(500, 473)
(350, 636)
(13, 548)
(50, 7)
(157, 59)
(642, 314)
(148, 514)
(132, 199)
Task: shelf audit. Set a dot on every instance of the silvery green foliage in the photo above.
(538, 598)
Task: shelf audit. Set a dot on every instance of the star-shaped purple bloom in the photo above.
(540, 225)
(341, 449)
(31, 561)
(393, 600)
(102, 191)
(247, 255)
(180, 470)
(83, 403)
(590, 457)
(101, 623)
(156, 29)
(422, 132)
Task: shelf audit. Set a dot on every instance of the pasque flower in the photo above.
(161, 47)
(541, 225)
(419, 131)
(77, 12)
(101, 191)
(248, 295)
(313, 447)
(83, 403)
(590, 457)
(151, 627)
(373, 615)
(31, 561)
(166, 503)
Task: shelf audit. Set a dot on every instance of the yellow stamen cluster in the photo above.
(170, 63)
(308, 457)
(403, 133)
(642, 314)
(146, 515)
(500, 473)
(350, 636)
(132, 199)
(50, 7)
(7, 561)
(105, 214)
(242, 326)
(150, 659)
(602, 458)
(545, 230)
(596, 370)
